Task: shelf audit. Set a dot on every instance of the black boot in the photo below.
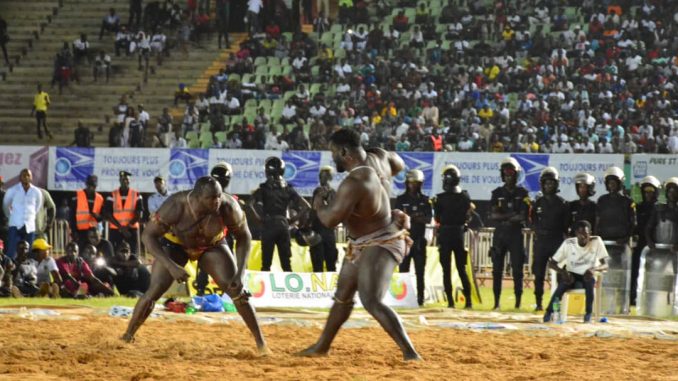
(450, 299)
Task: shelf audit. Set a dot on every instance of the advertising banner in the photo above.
(71, 167)
(186, 166)
(659, 166)
(422, 161)
(248, 167)
(480, 172)
(315, 290)
(15, 158)
(301, 170)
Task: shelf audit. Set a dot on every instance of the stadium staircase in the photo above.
(90, 102)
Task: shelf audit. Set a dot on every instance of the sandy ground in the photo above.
(85, 346)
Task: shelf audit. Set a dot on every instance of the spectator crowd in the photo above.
(518, 76)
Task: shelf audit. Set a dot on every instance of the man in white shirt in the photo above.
(253, 11)
(318, 110)
(144, 116)
(156, 199)
(576, 261)
(81, 48)
(21, 204)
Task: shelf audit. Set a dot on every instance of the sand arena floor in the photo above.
(83, 344)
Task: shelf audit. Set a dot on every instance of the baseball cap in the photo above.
(124, 173)
(41, 244)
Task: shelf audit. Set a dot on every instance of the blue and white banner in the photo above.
(301, 170)
(186, 166)
(480, 172)
(659, 166)
(72, 166)
(422, 161)
(69, 167)
(248, 167)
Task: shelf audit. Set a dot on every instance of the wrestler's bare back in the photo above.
(176, 213)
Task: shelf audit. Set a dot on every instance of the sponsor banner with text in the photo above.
(15, 158)
(315, 290)
(480, 172)
(657, 165)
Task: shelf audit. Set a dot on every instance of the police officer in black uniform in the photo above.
(662, 227)
(416, 205)
(452, 210)
(649, 186)
(510, 205)
(269, 204)
(550, 219)
(325, 251)
(584, 208)
(616, 214)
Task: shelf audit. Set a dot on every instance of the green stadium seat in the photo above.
(260, 61)
(191, 135)
(221, 136)
(261, 70)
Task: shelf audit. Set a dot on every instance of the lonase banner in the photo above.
(315, 290)
(68, 168)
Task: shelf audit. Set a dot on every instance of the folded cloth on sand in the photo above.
(395, 240)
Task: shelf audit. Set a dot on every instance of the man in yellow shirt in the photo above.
(40, 103)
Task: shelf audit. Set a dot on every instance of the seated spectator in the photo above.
(110, 23)
(422, 14)
(191, 118)
(159, 46)
(182, 93)
(82, 136)
(417, 39)
(39, 276)
(103, 247)
(122, 41)
(576, 262)
(102, 65)
(25, 282)
(232, 105)
(98, 264)
(234, 141)
(81, 49)
(7, 268)
(132, 278)
(401, 22)
(78, 279)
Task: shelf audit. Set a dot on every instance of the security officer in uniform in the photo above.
(510, 205)
(123, 209)
(416, 205)
(649, 187)
(550, 216)
(616, 212)
(269, 205)
(324, 251)
(584, 208)
(662, 227)
(86, 209)
(452, 210)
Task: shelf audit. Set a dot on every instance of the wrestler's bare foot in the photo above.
(127, 338)
(264, 350)
(312, 351)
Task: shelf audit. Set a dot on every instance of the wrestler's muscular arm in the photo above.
(234, 218)
(350, 192)
(169, 214)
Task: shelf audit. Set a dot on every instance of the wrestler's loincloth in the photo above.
(193, 254)
(396, 241)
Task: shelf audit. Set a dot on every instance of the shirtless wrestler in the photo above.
(190, 225)
(377, 244)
